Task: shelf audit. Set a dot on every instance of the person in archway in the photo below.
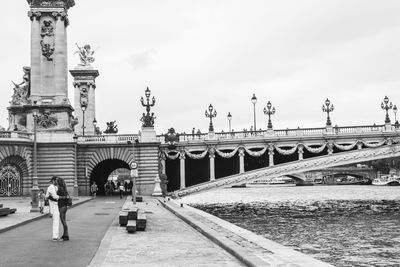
(52, 196)
(93, 190)
(121, 190)
(62, 206)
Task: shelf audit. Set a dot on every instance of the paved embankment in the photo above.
(31, 245)
(251, 249)
(167, 241)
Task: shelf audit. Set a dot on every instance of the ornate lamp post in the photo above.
(211, 113)
(83, 107)
(395, 116)
(254, 101)
(229, 119)
(269, 110)
(148, 119)
(386, 106)
(35, 187)
(328, 107)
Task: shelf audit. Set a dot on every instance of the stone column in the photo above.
(182, 158)
(60, 55)
(271, 155)
(36, 54)
(211, 155)
(241, 160)
(85, 86)
(300, 151)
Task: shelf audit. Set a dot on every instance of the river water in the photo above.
(342, 225)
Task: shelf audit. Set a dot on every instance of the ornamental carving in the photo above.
(32, 15)
(85, 55)
(47, 42)
(46, 120)
(73, 122)
(22, 90)
(171, 138)
(84, 97)
(51, 4)
(111, 128)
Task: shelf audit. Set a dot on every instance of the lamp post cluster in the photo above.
(328, 107)
(269, 110)
(386, 105)
(211, 113)
(147, 118)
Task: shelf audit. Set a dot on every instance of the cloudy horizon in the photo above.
(193, 53)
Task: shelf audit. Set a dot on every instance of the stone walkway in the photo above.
(191, 238)
(23, 214)
(167, 241)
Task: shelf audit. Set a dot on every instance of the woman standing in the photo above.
(62, 206)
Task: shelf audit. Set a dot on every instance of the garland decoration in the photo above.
(315, 150)
(256, 153)
(227, 155)
(286, 152)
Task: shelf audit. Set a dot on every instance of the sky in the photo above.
(294, 53)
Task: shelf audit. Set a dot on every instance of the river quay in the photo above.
(343, 225)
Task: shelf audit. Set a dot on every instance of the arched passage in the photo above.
(102, 170)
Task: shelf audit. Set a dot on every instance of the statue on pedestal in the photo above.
(111, 128)
(85, 54)
(22, 90)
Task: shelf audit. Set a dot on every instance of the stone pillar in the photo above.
(60, 55)
(211, 155)
(271, 155)
(182, 158)
(300, 151)
(241, 160)
(36, 54)
(85, 86)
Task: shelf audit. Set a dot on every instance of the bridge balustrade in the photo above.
(109, 138)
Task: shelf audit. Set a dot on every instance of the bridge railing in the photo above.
(109, 138)
(16, 135)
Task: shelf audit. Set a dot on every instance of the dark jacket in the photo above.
(62, 201)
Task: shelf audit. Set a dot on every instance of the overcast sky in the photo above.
(193, 53)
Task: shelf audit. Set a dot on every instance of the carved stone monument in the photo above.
(85, 86)
(45, 82)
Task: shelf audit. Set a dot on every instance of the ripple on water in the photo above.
(342, 225)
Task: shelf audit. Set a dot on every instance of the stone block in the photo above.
(141, 221)
(123, 218)
(4, 211)
(131, 226)
(132, 213)
(139, 199)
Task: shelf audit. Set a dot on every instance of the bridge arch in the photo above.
(102, 171)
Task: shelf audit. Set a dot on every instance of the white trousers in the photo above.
(56, 218)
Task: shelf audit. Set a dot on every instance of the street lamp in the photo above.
(211, 113)
(386, 106)
(147, 118)
(268, 111)
(83, 119)
(395, 116)
(328, 107)
(229, 119)
(35, 187)
(254, 101)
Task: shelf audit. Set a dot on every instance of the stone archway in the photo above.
(103, 169)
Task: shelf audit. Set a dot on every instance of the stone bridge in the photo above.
(194, 163)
